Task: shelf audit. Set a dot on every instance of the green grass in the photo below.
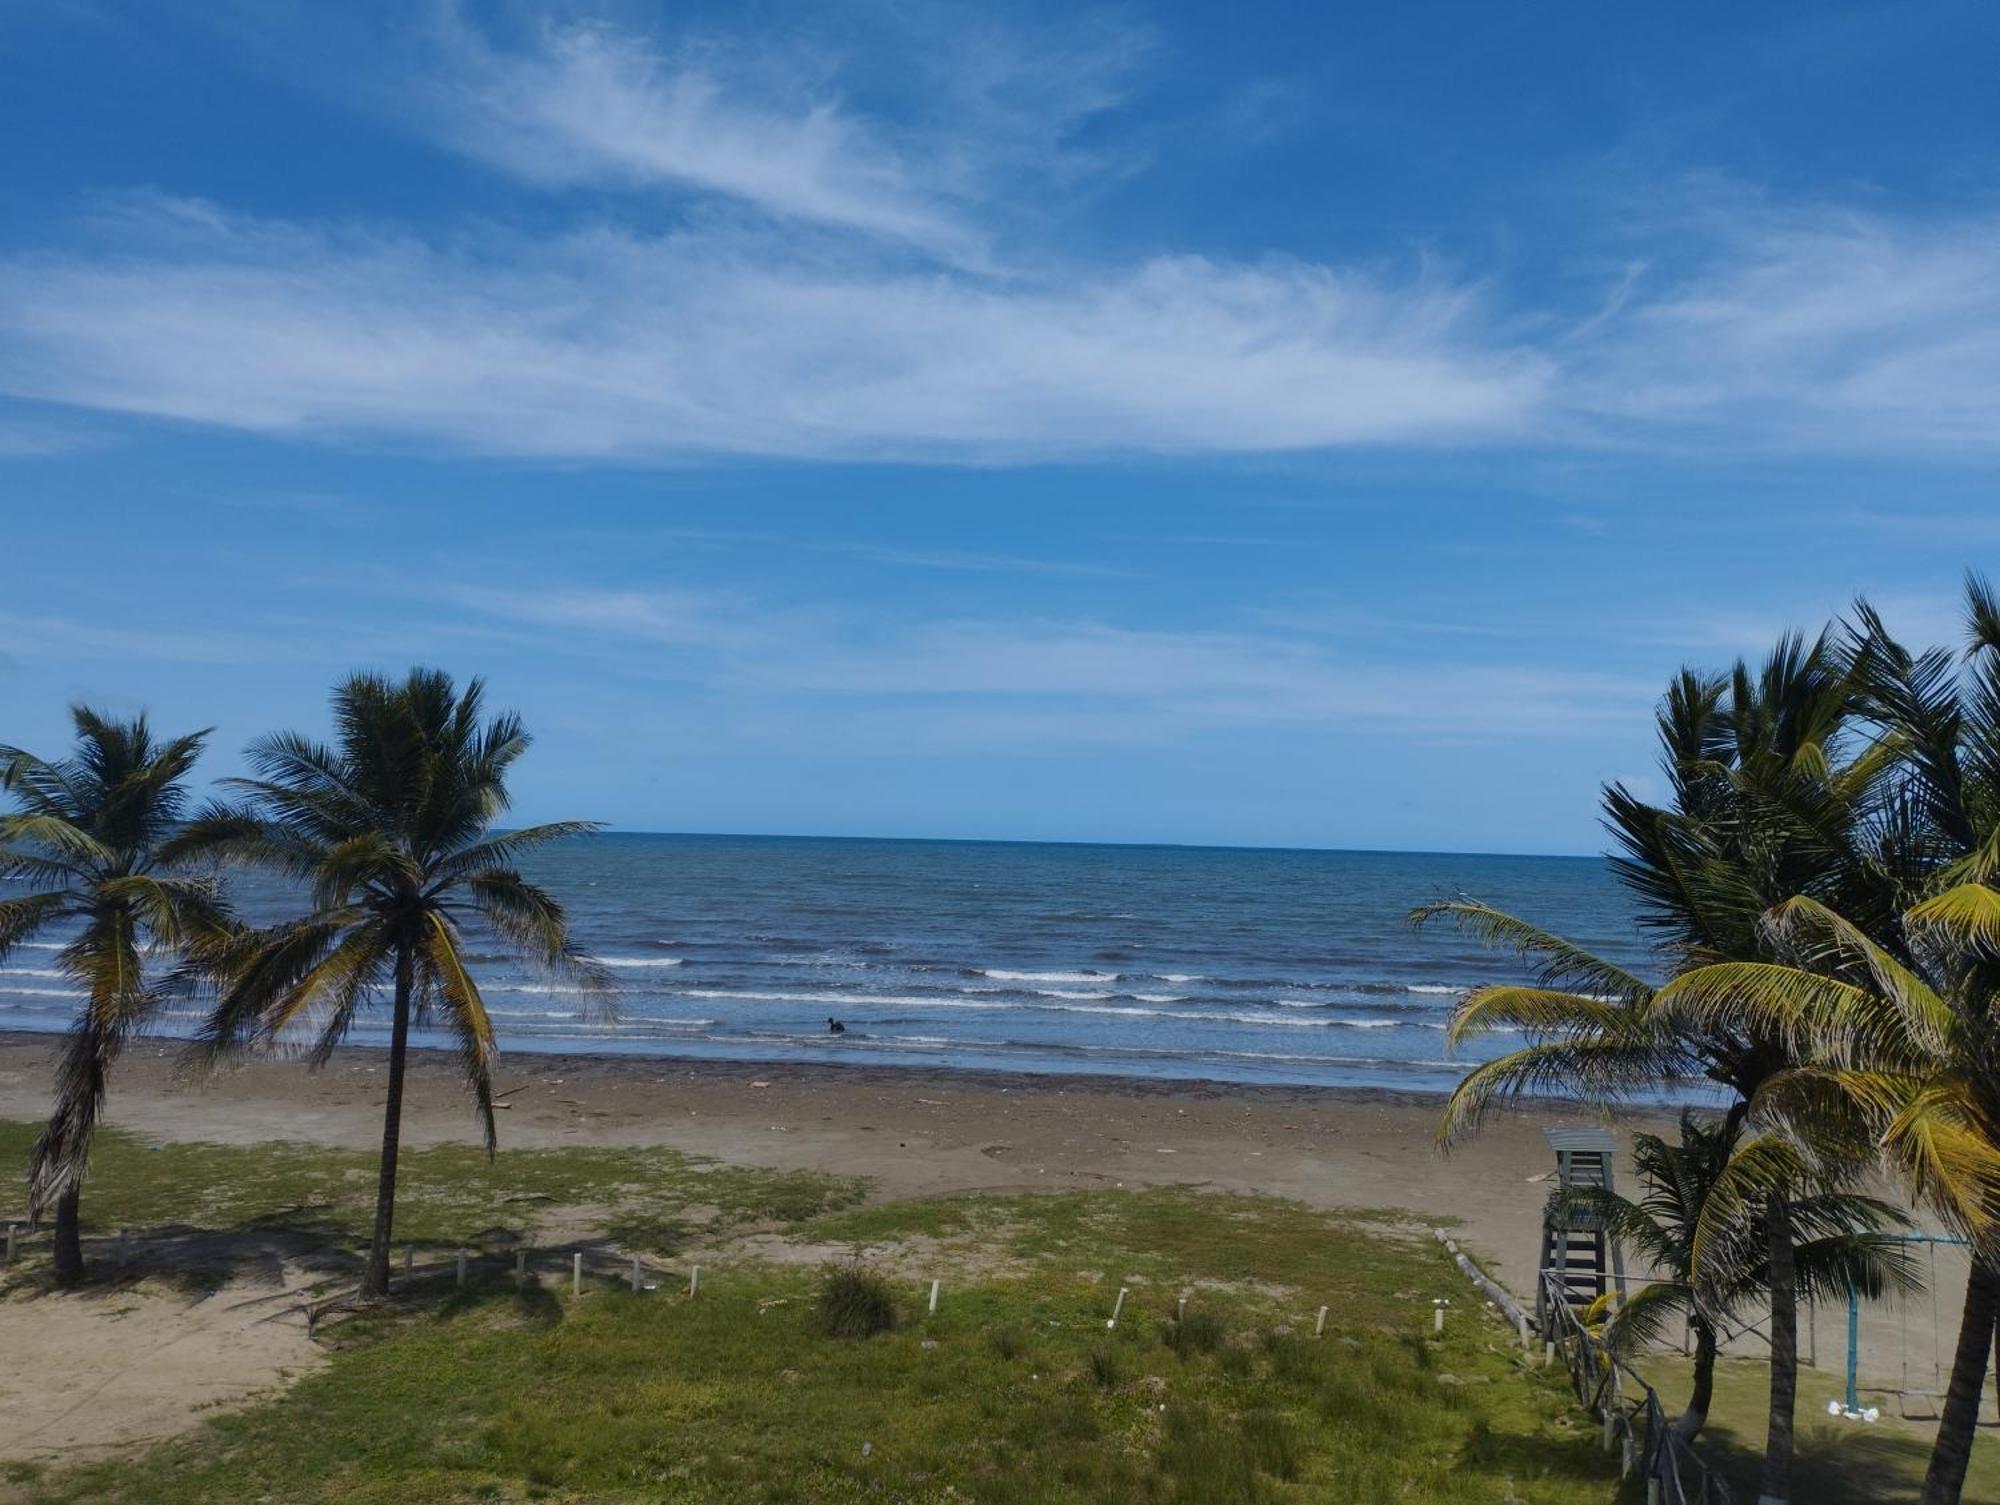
(655, 1200)
(740, 1395)
(1838, 1461)
(1014, 1392)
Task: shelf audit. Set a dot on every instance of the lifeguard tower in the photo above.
(1578, 1256)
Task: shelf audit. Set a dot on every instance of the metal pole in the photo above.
(1853, 1346)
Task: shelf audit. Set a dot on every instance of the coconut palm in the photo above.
(390, 834)
(1910, 1038)
(1775, 793)
(87, 837)
(1696, 1227)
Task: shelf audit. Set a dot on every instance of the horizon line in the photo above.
(1029, 841)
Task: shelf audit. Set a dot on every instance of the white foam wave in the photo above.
(1059, 993)
(637, 961)
(1432, 987)
(1000, 974)
(31, 972)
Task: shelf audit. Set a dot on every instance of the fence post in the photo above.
(934, 1296)
(461, 1267)
(576, 1275)
(11, 1235)
(521, 1266)
(694, 1284)
(635, 1275)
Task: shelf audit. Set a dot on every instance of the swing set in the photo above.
(1852, 1408)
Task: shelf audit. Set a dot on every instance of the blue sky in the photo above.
(1301, 425)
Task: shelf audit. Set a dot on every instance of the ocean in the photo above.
(1226, 964)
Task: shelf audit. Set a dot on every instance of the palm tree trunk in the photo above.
(69, 1237)
(1776, 1488)
(1953, 1449)
(1695, 1417)
(375, 1281)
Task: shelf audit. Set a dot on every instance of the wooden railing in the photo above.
(1629, 1410)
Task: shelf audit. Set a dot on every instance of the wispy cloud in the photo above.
(588, 103)
(611, 345)
(1822, 327)
(876, 677)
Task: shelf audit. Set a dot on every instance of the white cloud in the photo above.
(603, 344)
(1814, 327)
(587, 103)
(978, 682)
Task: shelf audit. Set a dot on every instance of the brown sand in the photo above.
(131, 1366)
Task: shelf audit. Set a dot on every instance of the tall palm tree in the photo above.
(1773, 795)
(390, 833)
(1695, 1225)
(87, 836)
(1910, 1038)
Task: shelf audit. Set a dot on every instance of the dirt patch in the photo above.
(91, 1374)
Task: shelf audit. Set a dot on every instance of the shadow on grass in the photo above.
(1566, 1457)
(1861, 1466)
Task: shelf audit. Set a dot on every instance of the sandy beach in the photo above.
(914, 1132)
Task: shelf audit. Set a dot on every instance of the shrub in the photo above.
(1195, 1332)
(1105, 1371)
(855, 1302)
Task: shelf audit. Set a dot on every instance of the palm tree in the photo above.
(87, 836)
(390, 833)
(1696, 1227)
(1910, 1038)
(1773, 796)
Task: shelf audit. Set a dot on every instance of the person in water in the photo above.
(834, 1026)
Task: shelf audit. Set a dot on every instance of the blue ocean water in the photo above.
(1186, 962)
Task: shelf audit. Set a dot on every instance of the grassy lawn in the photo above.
(1838, 1460)
(1013, 1392)
(652, 1200)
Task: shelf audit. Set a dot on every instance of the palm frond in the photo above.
(1559, 964)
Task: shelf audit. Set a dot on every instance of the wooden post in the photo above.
(124, 1247)
(521, 1266)
(1116, 1307)
(635, 1275)
(576, 1275)
(934, 1295)
(694, 1280)
(1437, 1315)
(409, 1258)
(1319, 1324)
(1180, 1312)
(12, 1233)
(461, 1267)
(1521, 1327)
